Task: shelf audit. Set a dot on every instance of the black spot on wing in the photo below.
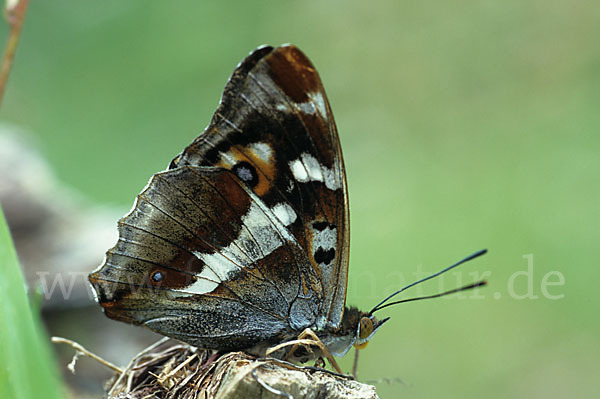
(320, 226)
(323, 256)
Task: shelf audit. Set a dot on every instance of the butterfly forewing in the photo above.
(274, 128)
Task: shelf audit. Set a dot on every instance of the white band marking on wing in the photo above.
(307, 168)
(262, 235)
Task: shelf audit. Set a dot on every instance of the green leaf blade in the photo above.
(27, 369)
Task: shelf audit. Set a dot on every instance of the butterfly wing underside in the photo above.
(244, 238)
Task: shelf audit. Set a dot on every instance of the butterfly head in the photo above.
(367, 327)
(357, 329)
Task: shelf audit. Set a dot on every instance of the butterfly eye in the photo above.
(157, 276)
(246, 173)
(366, 327)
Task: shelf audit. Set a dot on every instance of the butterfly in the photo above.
(242, 243)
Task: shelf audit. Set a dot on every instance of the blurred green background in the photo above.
(464, 125)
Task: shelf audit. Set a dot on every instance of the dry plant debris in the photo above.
(170, 369)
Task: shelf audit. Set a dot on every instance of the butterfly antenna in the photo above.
(380, 305)
(464, 288)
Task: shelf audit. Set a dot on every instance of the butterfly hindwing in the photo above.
(217, 250)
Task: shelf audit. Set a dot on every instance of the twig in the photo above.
(15, 15)
(82, 350)
(182, 365)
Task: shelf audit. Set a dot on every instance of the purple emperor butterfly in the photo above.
(242, 243)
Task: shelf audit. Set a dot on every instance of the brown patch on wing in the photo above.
(294, 73)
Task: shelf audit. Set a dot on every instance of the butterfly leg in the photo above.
(309, 334)
(307, 338)
(355, 363)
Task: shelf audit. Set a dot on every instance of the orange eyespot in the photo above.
(366, 328)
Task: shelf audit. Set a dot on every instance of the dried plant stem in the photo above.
(82, 350)
(15, 15)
